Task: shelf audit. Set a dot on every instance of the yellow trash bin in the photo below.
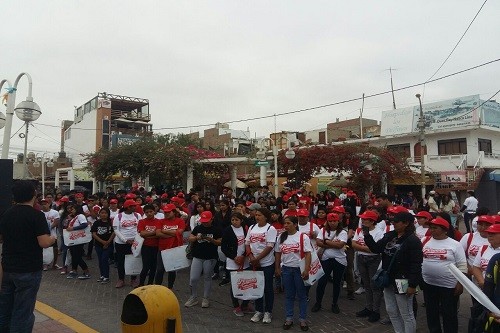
(151, 309)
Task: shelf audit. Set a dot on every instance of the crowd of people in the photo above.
(412, 242)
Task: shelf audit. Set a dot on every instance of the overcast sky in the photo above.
(202, 62)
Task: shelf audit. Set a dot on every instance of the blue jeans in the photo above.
(103, 257)
(268, 290)
(329, 266)
(294, 285)
(17, 301)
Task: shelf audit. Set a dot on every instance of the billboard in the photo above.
(399, 121)
(490, 114)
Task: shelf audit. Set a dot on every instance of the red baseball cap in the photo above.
(149, 199)
(113, 201)
(496, 218)
(494, 229)
(440, 222)
(302, 212)
(129, 203)
(338, 209)
(369, 215)
(168, 208)
(180, 195)
(164, 196)
(64, 199)
(206, 216)
(79, 195)
(397, 209)
(424, 214)
(332, 217)
(486, 218)
(130, 196)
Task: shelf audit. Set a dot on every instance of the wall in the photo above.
(81, 140)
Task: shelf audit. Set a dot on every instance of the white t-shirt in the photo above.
(337, 254)
(125, 227)
(471, 204)
(77, 221)
(259, 238)
(384, 227)
(290, 249)
(240, 236)
(474, 223)
(158, 215)
(194, 221)
(421, 231)
(482, 260)
(475, 246)
(50, 216)
(306, 229)
(112, 214)
(438, 254)
(359, 238)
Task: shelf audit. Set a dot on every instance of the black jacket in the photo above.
(408, 261)
(229, 244)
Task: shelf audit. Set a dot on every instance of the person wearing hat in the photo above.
(125, 228)
(486, 251)
(169, 232)
(368, 263)
(441, 288)
(473, 242)
(205, 239)
(404, 249)
(113, 208)
(422, 227)
(331, 239)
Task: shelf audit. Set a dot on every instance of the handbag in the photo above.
(381, 278)
(76, 237)
(174, 258)
(137, 245)
(247, 285)
(48, 255)
(316, 270)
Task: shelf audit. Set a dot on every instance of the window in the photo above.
(400, 150)
(93, 104)
(86, 107)
(484, 145)
(105, 141)
(105, 126)
(452, 147)
(67, 134)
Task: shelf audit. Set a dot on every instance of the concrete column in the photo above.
(95, 186)
(189, 177)
(234, 172)
(71, 177)
(263, 175)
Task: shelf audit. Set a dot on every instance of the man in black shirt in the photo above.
(23, 232)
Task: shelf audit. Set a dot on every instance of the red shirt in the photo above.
(170, 224)
(290, 212)
(319, 222)
(279, 227)
(305, 202)
(148, 225)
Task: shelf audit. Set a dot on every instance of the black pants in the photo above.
(148, 254)
(440, 302)
(90, 248)
(121, 251)
(468, 217)
(77, 257)
(160, 270)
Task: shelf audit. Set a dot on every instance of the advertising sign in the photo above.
(399, 121)
(491, 114)
(454, 177)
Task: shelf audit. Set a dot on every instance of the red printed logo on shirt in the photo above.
(435, 253)
(241, 240)
(77, 234)
(473, 250)
(150, 228)
(170, 227)
(258, 238)
(289, 248)
(128, 224)
(244, 284)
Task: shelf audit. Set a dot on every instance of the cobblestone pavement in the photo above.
(99, 307)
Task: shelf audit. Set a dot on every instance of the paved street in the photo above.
(99, 307)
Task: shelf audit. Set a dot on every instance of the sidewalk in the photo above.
(50, 320)
(44, 324)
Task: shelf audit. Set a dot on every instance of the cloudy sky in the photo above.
(202, 62)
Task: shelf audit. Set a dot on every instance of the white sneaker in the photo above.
(267, 318)
(256, 317)
(205, 303)
(192, 301)
(360, 291)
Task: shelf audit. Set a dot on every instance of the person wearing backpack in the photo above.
(487, 251)
(125, 228)
(473, 242)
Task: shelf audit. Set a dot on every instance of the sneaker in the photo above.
(225, 281)
(248, 309)
(360, 291)
(105, 281)
(257, 317)
(56, 266)
(71, 275)
(119, 284)
(374, 317)
(215, 276)
(238, 312)
(134, 283)
(64, 271)
(316, 307)
(192, 301)
(385, 321)
(84, 276)
(303, 326)
(363, 313)
(45, 268)
(335, 308)
(287, 325)
(267, 318)
(205, 303)
(100, 279)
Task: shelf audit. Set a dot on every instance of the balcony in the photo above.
(437, 163)
(134, 115)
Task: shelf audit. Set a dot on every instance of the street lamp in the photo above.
(261, 155)
(27, 111)
(421, 127)
(28, 104)
(44, 162)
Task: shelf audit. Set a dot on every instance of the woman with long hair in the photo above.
(102, 232)
(78, 221)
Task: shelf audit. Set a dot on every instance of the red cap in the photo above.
(113, 201)
(350, 194)
(206, 216)
(302, 212)
(130, 196)
(286, 198)
(338, 209)
(397, 209)
(168, 208)
(332, 217)
(164, 196)
(248, 203)
(369, 215)
(496, 218)
(486, 218)
(175, 199)
(129, 203)
(64, 199)
(149, 199)
(440, 222)
(424, 214)
(494, 229)
(180, 195)
(96, 208)
(79, 195)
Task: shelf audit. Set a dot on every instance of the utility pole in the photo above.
(421, 127)
(361, 118)
(392, 89)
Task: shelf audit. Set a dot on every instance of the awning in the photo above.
(495, 175)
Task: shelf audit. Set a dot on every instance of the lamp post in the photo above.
(2, 115)
(28, 104)
(421, 127)
(27, 112)
(261, 154)
(44, 162)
